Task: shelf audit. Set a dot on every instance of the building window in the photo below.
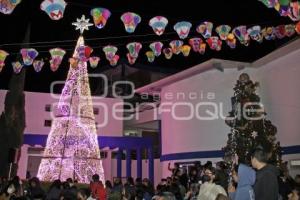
(96, 111)
(48, 108)
(48, 123)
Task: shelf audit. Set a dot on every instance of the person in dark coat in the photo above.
(266, 184)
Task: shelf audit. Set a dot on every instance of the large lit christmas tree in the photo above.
(249, 126)
(72, 149)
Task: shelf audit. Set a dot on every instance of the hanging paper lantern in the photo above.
(242, 35)
(8, 6)
(54, 8)
(297, 28)
(182, 29)
(280, 31)
(158, 24)
(168, 52)
(195, 44)
(150, 56)
(110, 51)
(268, 33)
(295, 11)
(214, 43)
(94, 61)
(100, 16)
(205, 29)
(57, 55)
(289, 30)
(269, 3)
(175, 46)
(28, 56)
(231, 41)
(38, 65)
(3, 55)
(223, 31)
(156, 48)
(131, 59)
(84, 52)
(134, 49)
(185, 49)
(130, 21)
(17, 66)
(255, 33)
(114, 61)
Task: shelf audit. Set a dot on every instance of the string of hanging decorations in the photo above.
(224, 34)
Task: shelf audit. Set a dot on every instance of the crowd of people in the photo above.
(261, 181)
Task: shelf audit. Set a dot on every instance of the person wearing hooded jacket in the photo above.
(244, 176)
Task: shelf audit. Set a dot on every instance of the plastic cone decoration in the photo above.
(150, 56)
(130, 21)
(57, 55)
(100, 16)
(223, 31)
(242, 35)
(205, 29)
(255, 33)
(297, 28)
(17, 66)
(3, 55)
(110, 52)
(185, 49)
(156, 48)
(38, 65)
(295, 10)
(280, 31)
(54, 8)
(28, 56)
(290, 30)
(94, 61)
(72, 148)
(231, 40)
(134, 49)
(176, 46)
(182, 29)
(158, 24)
(168, 52)
(268, 33)
(8, 6)
(214, 43)
(84, 53)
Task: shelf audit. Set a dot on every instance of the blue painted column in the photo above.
(119, 163)
(139, 163)
(128, 163)
(151, 164)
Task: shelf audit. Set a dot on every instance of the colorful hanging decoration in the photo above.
(84, 53)
(17, 66)
(255, 33)
(168, 52)
(131, 59)
(182, 29)
(268, 33)
(214, 43)
(158, 24)
(231, 40)
(205, 29)
(150, 56)
(130, 21)
(185, 50)
(3, 55)
(242, 35)
(223, 31)
(38, 65)
(290, 30)
(156, 48)
(195, 44)
(283, 7)
(28, 56)
(114, 61)
(100, 16)
(297, 28)
(57, 55)
(134, 49)
(54, 8)
(94, 60)
(8, 6)
(74, 62)
(280, 31)
(175, 46)
(295, 10)
(269, 3)
(110, 51)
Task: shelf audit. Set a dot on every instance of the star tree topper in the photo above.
(82, 24)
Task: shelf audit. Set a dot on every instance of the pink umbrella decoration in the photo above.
(54, 8)
(17, 66)
(242, 35)
(158, 24)
(255, 33)
(182, 29)
(38, 65)
(156, 48)
(175, 46)
(57, 55)
(223, 31)
(3, 55)
(114, 60)
(94, 60)
(214, 43)
(134, 49)
(130, 21)
(205, 29)
(168, 52)
(28, 55)
(110, 52)
(195, 44)
(131, 59)
(100, 16)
